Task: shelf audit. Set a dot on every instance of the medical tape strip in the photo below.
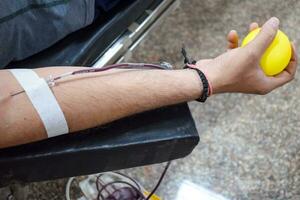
(43, 101)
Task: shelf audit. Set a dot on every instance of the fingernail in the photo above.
(274, 22)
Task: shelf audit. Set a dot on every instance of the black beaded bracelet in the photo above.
(205, 83)
(205, 93)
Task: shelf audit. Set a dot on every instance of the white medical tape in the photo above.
(43, 101)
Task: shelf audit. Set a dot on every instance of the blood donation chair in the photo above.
(151, 137)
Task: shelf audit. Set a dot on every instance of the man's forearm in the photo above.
(93, 99)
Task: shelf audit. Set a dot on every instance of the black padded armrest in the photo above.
(151, 137)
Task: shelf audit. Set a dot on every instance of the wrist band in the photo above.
(207, 91)
(191, 64)
(43, 101)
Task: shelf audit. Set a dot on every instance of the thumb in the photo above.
(265, 36)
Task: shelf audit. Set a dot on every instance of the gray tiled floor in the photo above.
(250, 146)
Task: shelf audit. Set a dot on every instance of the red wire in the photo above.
(108, 67)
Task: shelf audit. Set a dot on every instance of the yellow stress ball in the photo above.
(278, 54)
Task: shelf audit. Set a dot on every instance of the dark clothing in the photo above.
(29, 26)
(106, 5)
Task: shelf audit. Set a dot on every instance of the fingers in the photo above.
(253, 26)
(233, 37)
(294, 54)
(288, 74)
(233, 40)
(292, 66)
(265, 37)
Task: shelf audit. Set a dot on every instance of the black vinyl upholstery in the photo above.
(151, 137)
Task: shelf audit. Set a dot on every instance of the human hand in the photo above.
(238, 69)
